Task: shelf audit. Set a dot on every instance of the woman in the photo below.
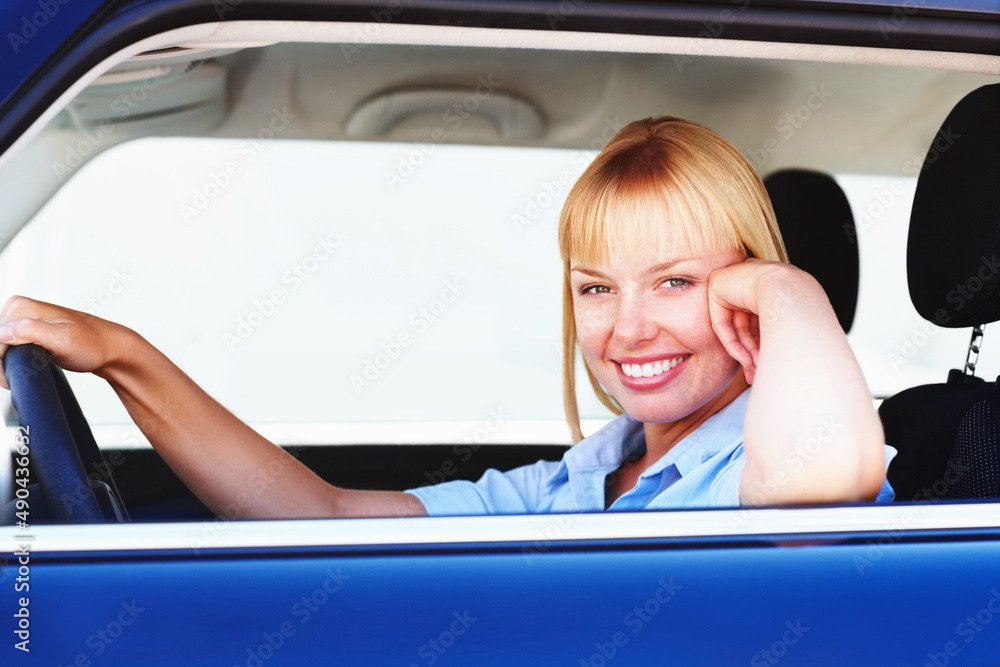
(673, 321)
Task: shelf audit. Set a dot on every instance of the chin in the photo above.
(673, 404)
(649, 410)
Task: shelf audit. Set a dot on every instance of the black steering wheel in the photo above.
(74, 481)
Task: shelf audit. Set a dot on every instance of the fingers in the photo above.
(18, 307)
(732, 306)
(49, 336)
(24, 320)
(29, 330)
(726, 323)
(6, 338)
(748, 332)
(749, 336)
(13, 310)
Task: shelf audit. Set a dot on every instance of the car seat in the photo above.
(946, 434)
(817, 226)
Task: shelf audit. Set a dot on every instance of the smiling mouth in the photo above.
(652, 369)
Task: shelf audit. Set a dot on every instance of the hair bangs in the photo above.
(634, 216)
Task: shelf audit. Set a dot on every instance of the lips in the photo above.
(653, 368)
(650, 373)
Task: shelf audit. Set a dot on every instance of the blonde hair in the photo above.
(659, 181)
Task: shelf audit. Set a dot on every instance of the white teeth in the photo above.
(652, 369)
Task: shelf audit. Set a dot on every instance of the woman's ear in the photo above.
(749, 372)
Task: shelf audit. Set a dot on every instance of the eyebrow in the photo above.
(653, 269)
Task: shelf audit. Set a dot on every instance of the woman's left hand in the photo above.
(776, 320)
(738, 294)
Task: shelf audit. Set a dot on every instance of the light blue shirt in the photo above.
(702, 470)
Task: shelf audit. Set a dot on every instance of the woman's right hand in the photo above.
(211, 450)
(77, 341)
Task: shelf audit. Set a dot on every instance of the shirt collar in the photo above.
(625, 436)
(717, 433)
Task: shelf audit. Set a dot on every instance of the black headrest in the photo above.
(953, 252)
(818, 229)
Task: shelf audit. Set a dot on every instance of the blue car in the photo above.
(337, 217)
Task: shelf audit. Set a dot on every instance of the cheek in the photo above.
(699, 337)
(706, 337)
(714, 353)
(593, 327)
(696, 331)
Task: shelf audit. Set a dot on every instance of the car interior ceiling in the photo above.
(576, 96)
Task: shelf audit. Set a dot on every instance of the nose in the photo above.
(633, 324)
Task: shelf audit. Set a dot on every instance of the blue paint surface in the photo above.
(899, 604)
(33, 31)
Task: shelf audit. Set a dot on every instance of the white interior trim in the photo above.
(520, 432)
(160, 41)
(360, 34)
(542, 531)
(459, 433)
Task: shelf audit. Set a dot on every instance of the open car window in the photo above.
(345, 250)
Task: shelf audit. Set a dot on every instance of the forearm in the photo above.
(229, 466)
(811, 433)
(235, 471)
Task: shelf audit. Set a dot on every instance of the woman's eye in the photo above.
(595, 289)
(675, 282)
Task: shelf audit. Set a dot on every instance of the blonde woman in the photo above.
(678, 295)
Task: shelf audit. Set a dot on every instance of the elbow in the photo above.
(871, 476)
(851, 472)
(859, 483)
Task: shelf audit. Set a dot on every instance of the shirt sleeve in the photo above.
(887, 494)
(724, 490)
(522, 490)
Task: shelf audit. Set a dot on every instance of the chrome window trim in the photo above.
(539, 532)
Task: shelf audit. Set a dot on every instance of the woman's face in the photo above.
(645, 333)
